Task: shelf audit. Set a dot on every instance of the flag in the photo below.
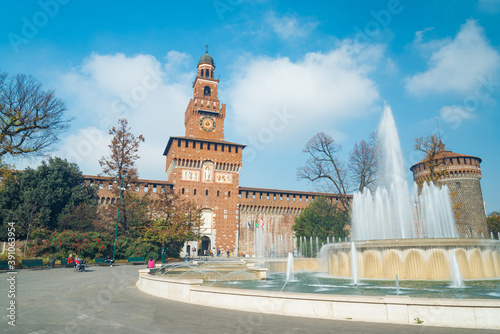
(262, 222)
(256, 225)
(249, 226)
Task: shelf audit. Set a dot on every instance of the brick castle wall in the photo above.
(467, 201)
(277, 209)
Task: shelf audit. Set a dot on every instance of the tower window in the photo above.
(212, 74)
(206, 192)
(217, 193)
(182, 191)
(206, 91)
(228, 194)
(194, 191)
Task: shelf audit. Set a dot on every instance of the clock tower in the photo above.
(203, 167)
(205, 114)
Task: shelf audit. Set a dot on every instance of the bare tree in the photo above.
(31, 118)
(363, 164)
(124, 147)
(431, 146)
(324, 166)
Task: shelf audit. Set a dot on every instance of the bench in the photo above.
(136, 260)
(4, 265)
(33, 263)
(64, 263)
(101, 261)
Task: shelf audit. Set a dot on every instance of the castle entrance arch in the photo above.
(205, 245)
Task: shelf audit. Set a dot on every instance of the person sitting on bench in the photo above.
(108, 259)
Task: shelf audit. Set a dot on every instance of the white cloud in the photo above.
(455, 65)
(454, 115)
(317, 92)
(151, 95)
(288, 26)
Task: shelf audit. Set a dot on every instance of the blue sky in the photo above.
(287, 69)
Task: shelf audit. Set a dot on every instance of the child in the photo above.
(151, 263)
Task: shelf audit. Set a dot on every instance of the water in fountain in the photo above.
(266, 244)
(390, 213)
(354, 264)
(311, 242)
(455, 270)
(289, 268)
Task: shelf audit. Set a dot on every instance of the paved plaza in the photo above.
(106, 300)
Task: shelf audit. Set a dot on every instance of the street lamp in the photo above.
(118, 218)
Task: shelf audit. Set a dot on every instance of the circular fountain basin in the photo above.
(415, 259)
(319, 283)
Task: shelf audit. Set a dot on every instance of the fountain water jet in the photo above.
(391, 213)
(354, 264)
(289, 269)
(455, 270)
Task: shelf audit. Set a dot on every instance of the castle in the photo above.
(203, 167)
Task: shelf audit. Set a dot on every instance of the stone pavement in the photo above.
(106, 300)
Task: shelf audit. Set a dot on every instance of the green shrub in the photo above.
(60, 244)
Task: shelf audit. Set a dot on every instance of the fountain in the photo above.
(409, 234)
(399, 234)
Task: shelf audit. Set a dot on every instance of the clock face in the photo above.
(207, 123)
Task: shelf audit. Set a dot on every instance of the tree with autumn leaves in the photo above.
(167, 222)
(493, 221)
(176, 220)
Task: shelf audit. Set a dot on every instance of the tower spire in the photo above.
(439, 132)
(440, 145)
(206, 51)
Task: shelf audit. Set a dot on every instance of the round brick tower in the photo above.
(462, 174)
